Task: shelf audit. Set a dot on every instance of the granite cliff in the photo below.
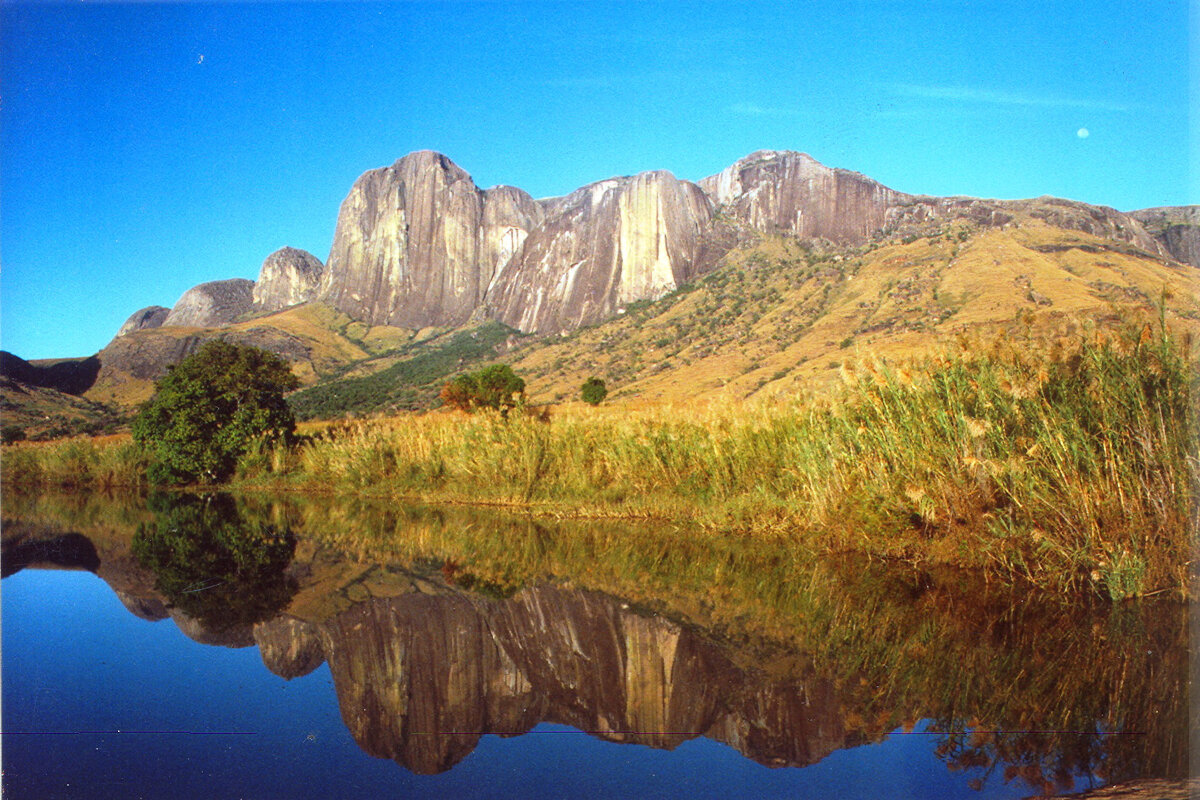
(791, 193)
(419, 246)
(144, 319)
(417, 243)
(1177, 228)
(212, 304)
(601, 247)
(287, 277)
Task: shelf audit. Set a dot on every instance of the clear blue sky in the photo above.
(145, 148)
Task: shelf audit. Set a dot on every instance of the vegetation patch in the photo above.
(412, 382)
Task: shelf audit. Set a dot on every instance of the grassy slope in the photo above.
(47, 413)
(332, 340)
(778, 318)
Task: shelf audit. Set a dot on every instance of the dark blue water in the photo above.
(100, 703)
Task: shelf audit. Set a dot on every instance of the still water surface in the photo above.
(206, 647)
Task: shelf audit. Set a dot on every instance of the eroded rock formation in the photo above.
(1177, 228)
(287, 277)
(601, 247)
(420, 678)
(212, 304)
(417, 243)
(149, 317)
(791, 193)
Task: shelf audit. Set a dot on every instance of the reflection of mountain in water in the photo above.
(419, 678)
(423, 668)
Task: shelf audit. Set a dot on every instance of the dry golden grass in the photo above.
(789, 318)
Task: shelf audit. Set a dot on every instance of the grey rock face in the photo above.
(149, 317)
(417, 243)
(601, 247)
(791, 193)
(147, 355)
(287, 277)
(1177, 228)
(211, 304)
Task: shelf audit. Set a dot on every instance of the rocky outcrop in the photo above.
(417, 243)
(600, 248)
(149, 317)
(291, 648)
(1177, 228)
(287, 277)
(212, 304)
(147, 355)
(792, 193)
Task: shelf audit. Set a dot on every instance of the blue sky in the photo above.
(150, 147)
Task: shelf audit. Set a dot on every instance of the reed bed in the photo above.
(104, 463)
(1074, 470)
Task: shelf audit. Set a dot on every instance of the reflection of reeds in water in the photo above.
(1070, 471)
(898, 643)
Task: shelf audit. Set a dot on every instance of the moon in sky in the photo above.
(1083, 133)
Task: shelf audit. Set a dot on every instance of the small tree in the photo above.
(495, 387)
(594, 391)
(209, 407)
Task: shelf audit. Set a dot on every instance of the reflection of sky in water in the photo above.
(76, 660)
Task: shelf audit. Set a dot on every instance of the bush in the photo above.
(11, 433)
(594, 391)
(495, 387)
(208, 409)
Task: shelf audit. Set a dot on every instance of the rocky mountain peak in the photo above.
(792, 193)
(148, 317)
(212, 304)
(288, 276)
(600, 247)
(417, 243)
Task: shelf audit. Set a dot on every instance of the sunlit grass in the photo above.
(1074, 469)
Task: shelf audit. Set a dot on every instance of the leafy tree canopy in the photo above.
(594, 391)
(495, 387)
(209, 407)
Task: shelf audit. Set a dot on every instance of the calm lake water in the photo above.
(213, 647)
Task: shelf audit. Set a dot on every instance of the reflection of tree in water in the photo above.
(214, 565)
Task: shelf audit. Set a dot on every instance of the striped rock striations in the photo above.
(1177, 228)
(792, 193)
(417, 243)
(601, 247)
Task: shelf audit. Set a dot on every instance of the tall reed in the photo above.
(1074, 469)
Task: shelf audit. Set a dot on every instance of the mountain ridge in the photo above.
(421, 249)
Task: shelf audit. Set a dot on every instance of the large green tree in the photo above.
(209, 407)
